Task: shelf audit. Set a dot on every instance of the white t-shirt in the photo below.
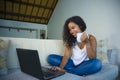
(79, 55)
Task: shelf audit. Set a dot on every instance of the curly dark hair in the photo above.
(69, 39)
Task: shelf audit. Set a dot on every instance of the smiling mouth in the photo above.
(74, 35)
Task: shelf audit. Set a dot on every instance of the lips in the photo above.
(75, 35)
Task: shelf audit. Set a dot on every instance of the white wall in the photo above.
(101, 16)
(22, 33)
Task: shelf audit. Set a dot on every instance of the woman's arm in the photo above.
(65, 57)
(91, 45)
(64, 60)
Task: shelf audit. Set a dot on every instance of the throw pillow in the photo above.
(102, 51)
(3, 57)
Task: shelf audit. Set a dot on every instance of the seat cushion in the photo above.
(18, 75)
(108, 72)
(68, 76)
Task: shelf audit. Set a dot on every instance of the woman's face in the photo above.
(73, 28)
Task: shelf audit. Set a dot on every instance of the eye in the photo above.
(72, 27)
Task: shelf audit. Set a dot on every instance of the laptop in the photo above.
(30, 63)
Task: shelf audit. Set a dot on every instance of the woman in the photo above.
(80, 52)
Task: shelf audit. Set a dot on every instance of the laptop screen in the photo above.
(29, 62)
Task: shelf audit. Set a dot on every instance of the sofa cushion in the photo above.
(18, 75)
(113, 56)
(69, 76)
(102, 51)
(3, 62)
(108, 72)
(3, 56)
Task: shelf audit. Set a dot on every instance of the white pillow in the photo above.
(102, 51)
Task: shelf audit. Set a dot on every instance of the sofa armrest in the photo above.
(112, 56)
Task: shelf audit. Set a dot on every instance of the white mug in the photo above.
(79, 37)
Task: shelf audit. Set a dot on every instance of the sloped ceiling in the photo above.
(35, 11)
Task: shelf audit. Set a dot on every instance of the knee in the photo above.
(54, 59)
(98, 64)
(50, 58)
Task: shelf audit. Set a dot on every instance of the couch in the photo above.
(109, 70)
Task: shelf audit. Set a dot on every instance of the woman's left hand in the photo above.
(84, 37)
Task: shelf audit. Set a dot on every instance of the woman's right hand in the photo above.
(55, 68)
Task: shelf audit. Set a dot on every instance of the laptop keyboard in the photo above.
(48, 72)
